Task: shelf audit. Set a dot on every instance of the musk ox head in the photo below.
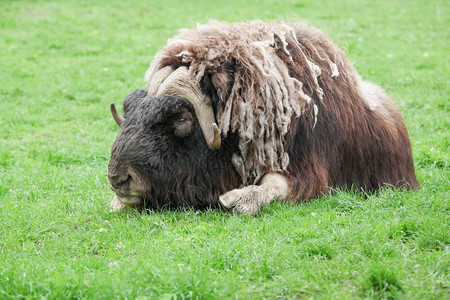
(166, 152)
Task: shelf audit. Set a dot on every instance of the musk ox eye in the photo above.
(181, 121)
(183, 125)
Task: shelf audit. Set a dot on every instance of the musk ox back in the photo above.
(240, 114)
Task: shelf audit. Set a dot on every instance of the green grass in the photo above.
(63, 62)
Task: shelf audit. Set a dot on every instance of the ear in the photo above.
(132, 101)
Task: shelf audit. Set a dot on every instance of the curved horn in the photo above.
(158, 78)
(115, 115)
(181, 83)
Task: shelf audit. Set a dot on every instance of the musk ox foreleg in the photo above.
(249, 199)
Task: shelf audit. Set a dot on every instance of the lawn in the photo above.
(63, 62)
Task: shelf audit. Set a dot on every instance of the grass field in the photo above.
(63, 62)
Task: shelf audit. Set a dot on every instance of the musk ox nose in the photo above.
(120, 182)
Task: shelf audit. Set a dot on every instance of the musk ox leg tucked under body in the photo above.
(237, 115)
(250, 198)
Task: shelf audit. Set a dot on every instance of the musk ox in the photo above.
(237, 115)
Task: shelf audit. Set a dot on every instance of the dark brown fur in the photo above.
(334, 138)
(351, 146)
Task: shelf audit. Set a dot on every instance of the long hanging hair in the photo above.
(274, 76)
